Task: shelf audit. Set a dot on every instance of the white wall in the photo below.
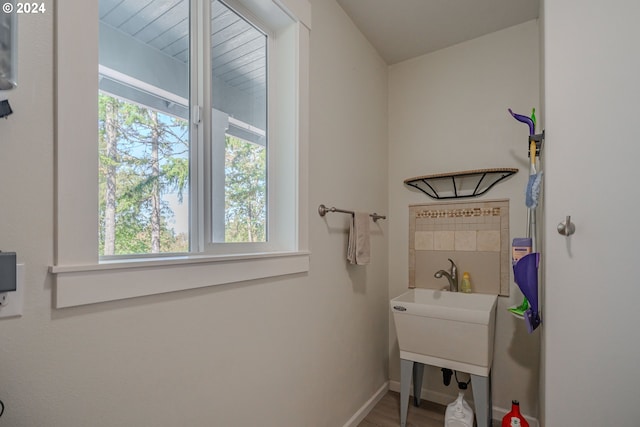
(448, 112)
(592, 350)
(542, 218)
(301, 350)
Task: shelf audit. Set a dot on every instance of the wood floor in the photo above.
(387, 413)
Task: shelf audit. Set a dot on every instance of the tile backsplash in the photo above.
(475, 235)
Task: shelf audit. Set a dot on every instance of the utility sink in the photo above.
(447, 329)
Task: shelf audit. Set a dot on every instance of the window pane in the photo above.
(245, 191)
(143, 127)
(239, 93)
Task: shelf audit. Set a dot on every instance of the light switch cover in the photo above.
(15, 299)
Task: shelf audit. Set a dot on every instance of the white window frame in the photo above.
(215, 131)
(80, 277)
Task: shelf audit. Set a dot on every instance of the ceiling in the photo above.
(403, 29)
(237, 48)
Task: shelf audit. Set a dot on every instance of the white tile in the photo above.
(465, 240)
(423, 240)
(488, 241)
(443, 240)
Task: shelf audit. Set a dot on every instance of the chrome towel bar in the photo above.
(323, 210)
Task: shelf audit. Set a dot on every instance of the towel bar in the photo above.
(323, 210)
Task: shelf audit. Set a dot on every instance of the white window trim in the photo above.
(79, 276)
(88, 284)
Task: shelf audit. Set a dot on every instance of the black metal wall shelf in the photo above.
(457, 185)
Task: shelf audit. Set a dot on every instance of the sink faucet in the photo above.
(452, 276)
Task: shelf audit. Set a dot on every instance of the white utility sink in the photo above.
(447, 329)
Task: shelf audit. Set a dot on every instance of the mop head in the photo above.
(532, 319)
(533, 190)
(525, 273)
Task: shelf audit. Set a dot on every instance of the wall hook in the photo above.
(566, 227)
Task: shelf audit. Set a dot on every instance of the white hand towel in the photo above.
(358, 248)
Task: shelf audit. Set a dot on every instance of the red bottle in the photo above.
(514, 418)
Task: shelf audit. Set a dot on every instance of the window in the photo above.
(145, 64)
(197, 174)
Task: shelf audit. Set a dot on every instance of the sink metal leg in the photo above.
(418, 371)
(406, 371)
(481, 392)
(482, 399)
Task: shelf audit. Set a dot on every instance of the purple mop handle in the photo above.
(524, 119)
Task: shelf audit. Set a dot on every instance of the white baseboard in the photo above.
(368, 406)
(445, 399)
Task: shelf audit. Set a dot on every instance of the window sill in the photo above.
(113, 280)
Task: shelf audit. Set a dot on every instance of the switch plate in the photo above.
(7, 271)
(15, 299)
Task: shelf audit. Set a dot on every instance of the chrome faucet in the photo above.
(451, 275)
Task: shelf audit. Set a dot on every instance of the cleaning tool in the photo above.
(526, 268)
(535, 179)
(533, 118)
(520, 247)
(533, 190)
(519, 310)
(533, 186)
(524, 119)
(525, 273)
